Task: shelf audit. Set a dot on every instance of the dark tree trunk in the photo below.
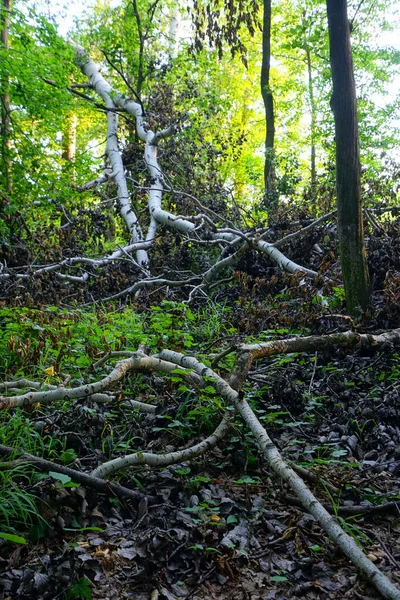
(5, 102)
(313, 123)
(269, 166)
(348, 169)
(140, 74)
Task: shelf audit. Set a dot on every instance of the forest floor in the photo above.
(222, 526)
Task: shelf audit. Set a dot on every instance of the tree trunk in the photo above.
(140, 75)
(173, 31)
(269, 165)
(68, 154)
(313, 122)
(69, 139)
(5, 103)
(348, 169)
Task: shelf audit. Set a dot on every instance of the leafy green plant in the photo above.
(279, 578)
(194, 484)
(210, 323)
(18, 431)
(69, 340)
(81, 590)
(168, 325)
(247, 480)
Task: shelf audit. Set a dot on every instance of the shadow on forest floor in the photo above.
(223, 526)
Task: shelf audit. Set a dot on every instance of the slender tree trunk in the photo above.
(173, 31)
(68, 153)
(348, 169)
(269, 165)
(69, 139)
(5, 103)
(313, 122)
(140, 74)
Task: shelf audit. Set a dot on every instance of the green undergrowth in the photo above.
(70, 340)
(53, 345)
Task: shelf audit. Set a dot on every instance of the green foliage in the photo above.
(69, 340)
(211, 94)
(42, 344)
(169, 325)
(18, 507)
(18, 431)
(15, 539)
(82, 590)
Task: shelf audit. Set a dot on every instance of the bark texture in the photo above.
(348, 169)
(268, 99)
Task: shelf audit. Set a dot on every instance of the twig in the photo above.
(83, 478)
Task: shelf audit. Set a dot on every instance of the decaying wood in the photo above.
(168, 361)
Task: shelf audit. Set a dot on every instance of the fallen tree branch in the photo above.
(99, 84)
(106, 176)
(273, 458)
(169, 458)
(315, 343)
(351, 510)
(283, 261)
(300, 232)
(107, 487)
(157, 213)
(135, 362)
(149, 283)
(169, 360)
(80, 260)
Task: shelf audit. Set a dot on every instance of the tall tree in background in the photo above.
(269, 166)
(348, 167)
(313, 112)
(5, 100)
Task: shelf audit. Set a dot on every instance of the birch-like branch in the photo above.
(315, 343)
(151, 139)
(168, 361)
(135, 362)
(106, 176)
(100, 85)
(274, 459)
(79, 260)
(169, 458)
(151, 283)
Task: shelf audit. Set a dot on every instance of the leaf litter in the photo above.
(223, 526)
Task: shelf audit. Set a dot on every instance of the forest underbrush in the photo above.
(221, 525)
